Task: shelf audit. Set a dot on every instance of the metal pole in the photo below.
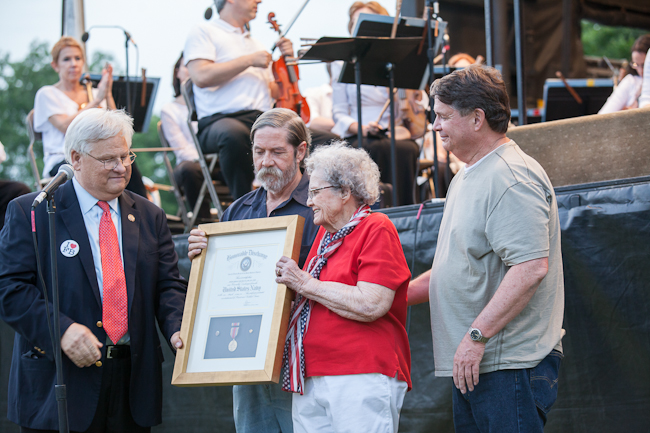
(519, 52)
(128, 87)
(566, 37)
(488, 33)
(393, 153)
(357, 80)
(72, 18)
(432, 9)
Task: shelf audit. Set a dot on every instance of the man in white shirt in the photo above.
(233, 85)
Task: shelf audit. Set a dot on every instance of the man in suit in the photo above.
(118, 275)
(280, 145)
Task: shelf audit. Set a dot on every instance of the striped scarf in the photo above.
(293, 360)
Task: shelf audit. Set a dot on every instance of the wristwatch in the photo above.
(476, 335)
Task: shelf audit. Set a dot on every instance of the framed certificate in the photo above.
(236, 316)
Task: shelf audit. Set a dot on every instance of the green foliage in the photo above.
(19, 82)
(613, 42)
(98, 61)
(151, 164)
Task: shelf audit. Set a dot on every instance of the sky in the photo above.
(160, 27)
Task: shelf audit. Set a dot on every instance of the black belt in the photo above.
(118, 352)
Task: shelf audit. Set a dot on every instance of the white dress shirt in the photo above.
(220, 42)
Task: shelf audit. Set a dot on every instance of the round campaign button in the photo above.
(70, 248)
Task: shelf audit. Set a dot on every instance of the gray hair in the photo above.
(93, 125)
(283, 118)
(347, 168)
(219, 4)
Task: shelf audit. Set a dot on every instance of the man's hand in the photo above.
(285, 46)
(198, 242)
(176, 340)
(466, 363)
(260, 59)
(81, 345)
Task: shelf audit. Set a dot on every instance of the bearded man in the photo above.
(281, 143)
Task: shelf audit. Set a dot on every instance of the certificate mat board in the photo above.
(236, 316)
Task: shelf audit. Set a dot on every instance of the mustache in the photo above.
(269, 172)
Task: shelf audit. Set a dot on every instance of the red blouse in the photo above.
(338, 346)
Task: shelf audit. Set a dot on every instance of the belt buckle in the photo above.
(109, 352)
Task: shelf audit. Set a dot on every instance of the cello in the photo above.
(287, 76)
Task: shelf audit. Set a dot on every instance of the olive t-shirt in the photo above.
(500, 213)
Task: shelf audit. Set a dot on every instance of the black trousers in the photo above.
(406, 151)
(8, 191)
(113, 413)
(189, 177)
(229, 136)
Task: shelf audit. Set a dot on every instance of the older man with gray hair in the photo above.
(118, 276)
(281, 142)
(496, 287)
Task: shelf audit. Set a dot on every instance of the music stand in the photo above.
(559, 104)
(141, 114)
(384, 54)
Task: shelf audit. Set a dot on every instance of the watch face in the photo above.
(475, 334)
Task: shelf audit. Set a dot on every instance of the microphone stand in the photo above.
(128, 86)
(59, 388)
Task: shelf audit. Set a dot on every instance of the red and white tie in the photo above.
(115, 303)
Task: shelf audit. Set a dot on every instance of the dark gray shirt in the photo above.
(253, 205)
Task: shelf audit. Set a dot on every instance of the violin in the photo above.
(287, 76)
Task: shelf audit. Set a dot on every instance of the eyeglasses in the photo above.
(111, 164)
(313, 192)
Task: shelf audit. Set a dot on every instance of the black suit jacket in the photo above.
(156, 292)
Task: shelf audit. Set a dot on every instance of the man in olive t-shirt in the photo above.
(496, 288)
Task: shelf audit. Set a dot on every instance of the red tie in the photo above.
(115, 302)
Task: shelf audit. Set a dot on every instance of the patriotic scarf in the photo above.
(293, 360)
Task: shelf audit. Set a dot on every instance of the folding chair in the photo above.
(207, 161)
(183, 206)
(33, 137)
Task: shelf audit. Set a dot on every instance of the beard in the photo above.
(275, 180)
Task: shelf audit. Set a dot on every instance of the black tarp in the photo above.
(605, 377)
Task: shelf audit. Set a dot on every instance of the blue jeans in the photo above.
(262, 409)
(508, 401)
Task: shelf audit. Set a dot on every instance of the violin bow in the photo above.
(283, 33)
(398, 10)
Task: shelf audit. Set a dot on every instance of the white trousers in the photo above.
(355, 403)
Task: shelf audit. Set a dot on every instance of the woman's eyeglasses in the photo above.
(313, 192)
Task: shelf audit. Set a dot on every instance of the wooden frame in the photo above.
(236, 316)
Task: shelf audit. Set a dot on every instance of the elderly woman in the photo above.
(347, 354)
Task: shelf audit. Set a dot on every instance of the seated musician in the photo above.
(627, 93)
(56, 106)
(320, 104)
(375, 141)
(233, 85)
(644, 100)
(173, 116)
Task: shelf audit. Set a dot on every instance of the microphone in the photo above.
(64, 174)
(128, 36)
(208, 13)
(86, 35)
